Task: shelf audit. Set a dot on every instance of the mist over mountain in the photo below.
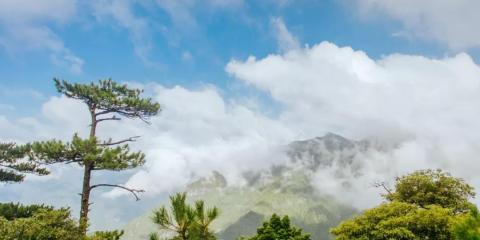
(290, 188)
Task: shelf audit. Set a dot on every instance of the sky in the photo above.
(237, 79)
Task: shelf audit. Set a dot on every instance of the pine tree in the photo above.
(13, 164)
(179, 221)
(204, 217)
(187, 222)
(106, 101)
(278, 229)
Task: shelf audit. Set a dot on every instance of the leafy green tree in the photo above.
(279, 229)
(40, 222)
(185, 221)
(13, 164)
(468, 228)
(433, 187)
(106, 101)
(43, 224)
(425, 205)
(398, 220)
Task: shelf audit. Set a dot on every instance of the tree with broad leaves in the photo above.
(468, 228)
(106, 101)
(426, 204)
(14, 166)
(41, 222)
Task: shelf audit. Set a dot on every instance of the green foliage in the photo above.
(433, 187)
(107, 96)
(13, 166)
(87, 151)
(279, 229)
(106, 235)
(43, 224)
(11, 211)
(204, 217)
(425, 205)
(40, 222)
(187, 222)
(398, 220)
(468, 228)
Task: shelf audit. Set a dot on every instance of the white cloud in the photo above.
(197, 132)
(25, 25)
(452, 23)
(286, 41)
(426, 106)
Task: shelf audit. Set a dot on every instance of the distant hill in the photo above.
(284, 189)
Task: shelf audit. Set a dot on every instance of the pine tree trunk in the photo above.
(87, 174)
(85, 201)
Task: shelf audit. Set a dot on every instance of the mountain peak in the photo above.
(331, 149)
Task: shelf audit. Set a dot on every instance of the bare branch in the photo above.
(134, 192)
(104, 112)
(114, 118)
(384, 186)
(110, 143)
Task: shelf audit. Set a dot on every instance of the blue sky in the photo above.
(188, 46)
(239, 79)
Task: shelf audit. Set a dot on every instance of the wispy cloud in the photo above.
(139, 30)
(24, 26)
(447, 22)
(285, 39)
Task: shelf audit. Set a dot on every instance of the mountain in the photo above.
(283, 189)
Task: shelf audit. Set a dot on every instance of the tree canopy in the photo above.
(398, 220)
(468, 227)
(37, 223)
(277, 228)
(41, 222)
(108, 96)
(433, 187)
(14, 165)
(87, 151)
(424, 205)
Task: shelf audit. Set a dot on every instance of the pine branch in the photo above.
(134, 192)
(110, 143)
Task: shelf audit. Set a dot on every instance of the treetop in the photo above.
(107, 96)
(428, 187)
